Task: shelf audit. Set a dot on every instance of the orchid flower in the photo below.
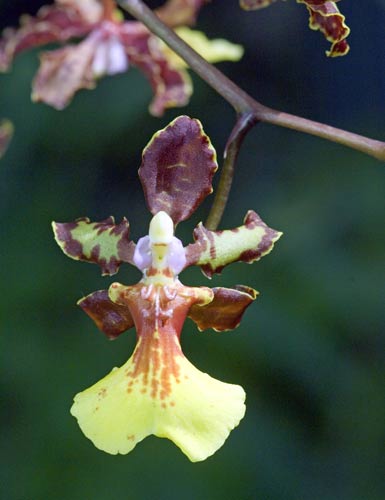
(324, 15)
(109, 46)
(158, 391)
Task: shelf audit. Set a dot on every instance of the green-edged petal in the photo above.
(112, 319)
(226, 309)
(177, 168)
(104, 243)
(213, 250)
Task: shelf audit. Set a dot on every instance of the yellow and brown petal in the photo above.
(158, 391)
(194, 410)
(213, 250)
(324, 16)
(104, 243)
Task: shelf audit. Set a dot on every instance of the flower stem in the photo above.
(244, 123)
(240, 100)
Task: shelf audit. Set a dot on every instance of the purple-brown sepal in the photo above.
(226, 309)
(112, 319)
(177, 168)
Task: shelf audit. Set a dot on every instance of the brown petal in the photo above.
(327, 18)
(56, 23)
(112, 319)
(177, 168)
(64, 71)
(226, 309)
(324, 16)
(171, 86)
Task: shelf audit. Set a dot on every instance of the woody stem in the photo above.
(244, 123)
(240, 100)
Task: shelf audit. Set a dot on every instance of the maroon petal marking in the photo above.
(226, 309)
(104, 243)
(56, 23)
(112, 319)
(177, 168)
(213, 250)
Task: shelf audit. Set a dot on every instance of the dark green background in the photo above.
(310, 351)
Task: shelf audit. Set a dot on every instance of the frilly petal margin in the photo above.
(116, 414)
(324, 16)
(213, 250)
(104, 243)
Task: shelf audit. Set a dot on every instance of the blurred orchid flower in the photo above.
(109, 46)
(324, 16)
(158, 391)
(6, 133)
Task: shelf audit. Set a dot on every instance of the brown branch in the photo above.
(244, 123)
(240, 100)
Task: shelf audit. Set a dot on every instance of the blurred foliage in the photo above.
(310, 351)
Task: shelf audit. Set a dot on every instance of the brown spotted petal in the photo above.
(57, 23)
(6, 133)
(112, 319)
(326, 17)
(177, 168)
(180, 12)
(226, 309)
(213, 250)
(104, 243)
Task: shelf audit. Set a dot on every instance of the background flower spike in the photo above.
(53, 23)
(213, 250)
(104, 243)
(226, 309)
(112, 319)
(177, 168)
